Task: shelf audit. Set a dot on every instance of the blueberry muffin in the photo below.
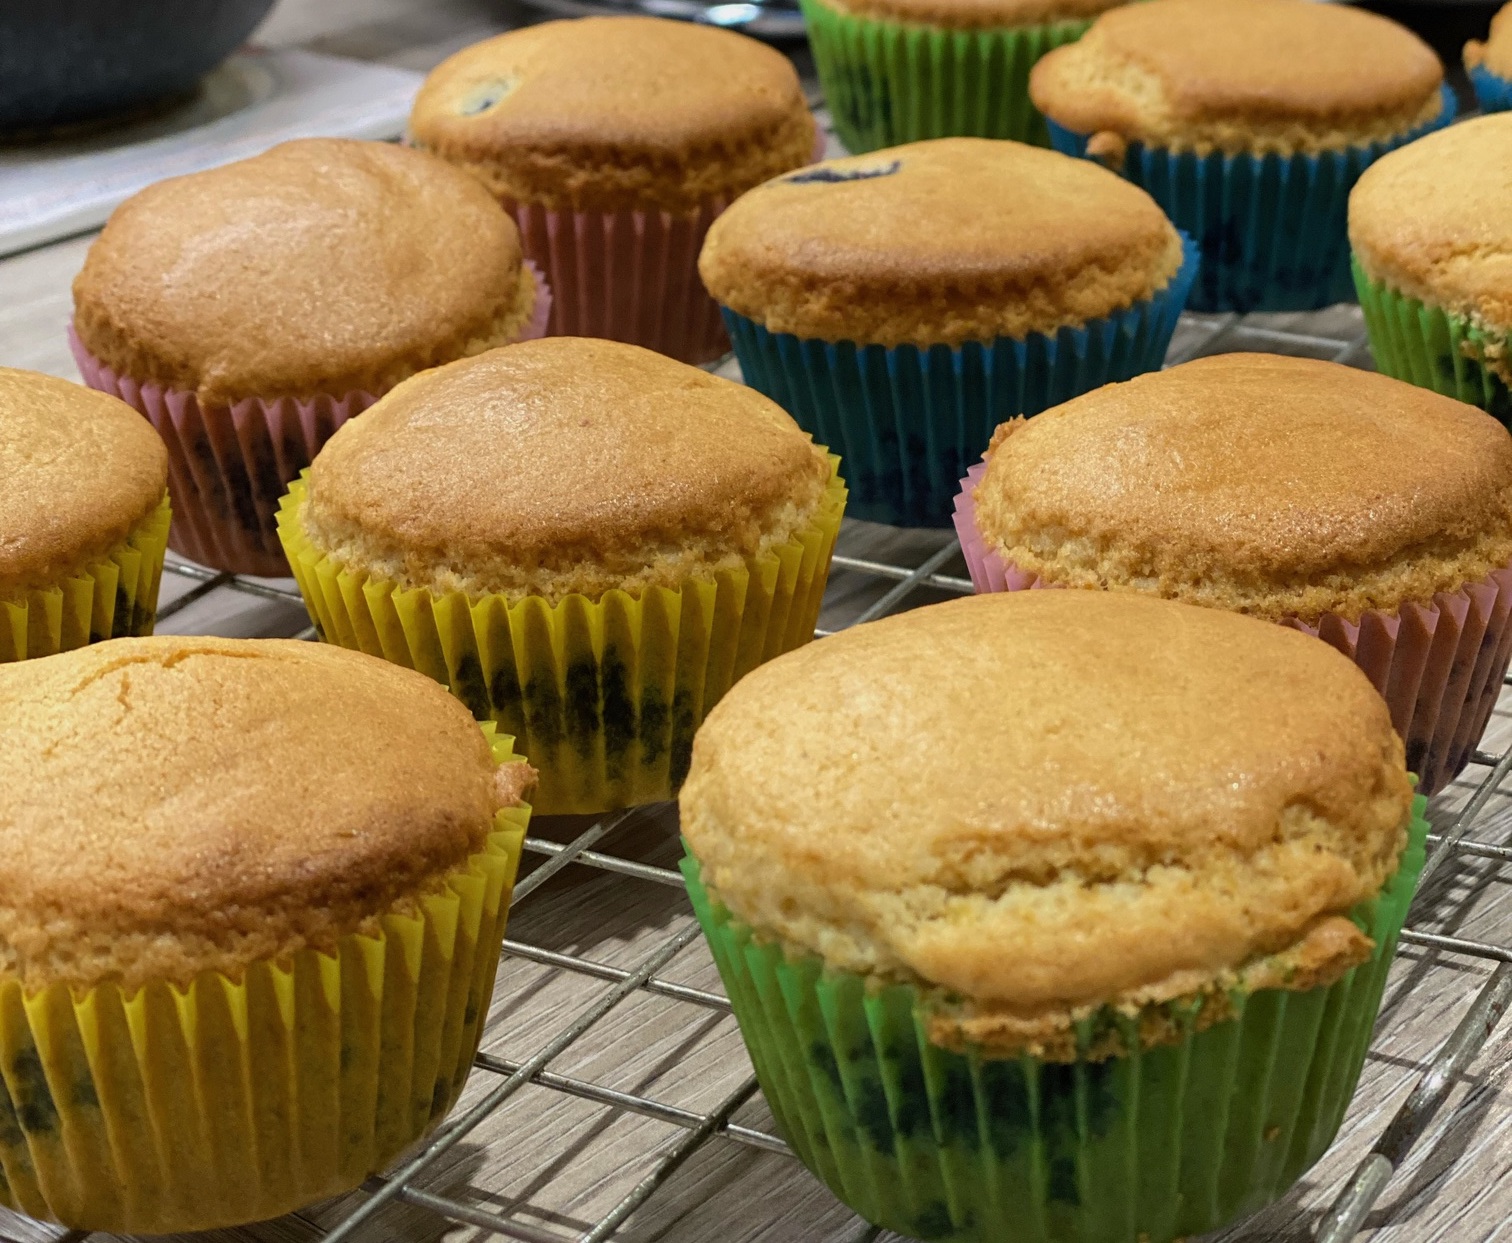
(1032, 973)
(254, 898)
(249, 310)
(83, 517)
(613, 142)
(897, 71)
(1248, 121)
(1431, 230)
(587, 541)
(900, 305)
(1489, 64)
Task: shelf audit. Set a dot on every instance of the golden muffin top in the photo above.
(1434, 219)
(945, 241)
(1179, 801)
(175, 805)
(1280, 487)
(78, 471)
(1495, 53)
(564, 465)
(1289, 76)
(975, 14)
(324, 265)
(608, 113)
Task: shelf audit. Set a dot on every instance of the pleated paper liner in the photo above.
(236, 1100)
(1161, 1143)
(1272, 228)
(604, 695)
(228, 466)
(908, 421)
(1438, 664)
(629, 276)
(1433, 349)
(1493, 93)
(112, 596)
(888, 82)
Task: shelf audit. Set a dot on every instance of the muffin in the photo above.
(1431, 228)
(1248, 121)
(254, 898)
(1002, 972)
(83, 517)
(1489, 64)
(613, 142)
(897, 71)
(250, 310)
(586, 541)
(1373, 514)
(900, 305)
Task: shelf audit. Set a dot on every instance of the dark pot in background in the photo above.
(1445, 24)
(68, 62)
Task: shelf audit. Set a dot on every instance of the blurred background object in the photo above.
(1445, 25)
(68, 63)
(778, 20)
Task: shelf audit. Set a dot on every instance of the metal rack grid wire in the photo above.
(865, 587)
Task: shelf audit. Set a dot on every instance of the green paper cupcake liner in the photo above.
(112, 596)
(892, 82)
(1431, 348)
(1165, 1142)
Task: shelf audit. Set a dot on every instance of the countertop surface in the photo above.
(642, 1082)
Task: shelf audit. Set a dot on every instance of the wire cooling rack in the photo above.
(612, 1098)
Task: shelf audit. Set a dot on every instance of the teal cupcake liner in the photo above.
(1433, 349)
(907, 421)
(1161, 1143)
(1272, 229)
(889, 82)
(1493, 93)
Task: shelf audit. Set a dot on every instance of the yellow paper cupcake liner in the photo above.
(604, 695)
(231, 1101)
(113, 596)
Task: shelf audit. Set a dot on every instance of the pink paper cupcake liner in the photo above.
(228, 466)
(630, 275)
(1439, 664)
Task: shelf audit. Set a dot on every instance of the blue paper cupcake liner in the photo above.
(1492, 92)
(1272, 229)
(908, 421)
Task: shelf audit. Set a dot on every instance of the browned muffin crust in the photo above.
(175, 805)
(939, 242)
(1177, 802)
(562, 466)
(1289, 76)
(79, 470)
(616, 113)
(1280, 487)
(1433, 220)
(324, 265)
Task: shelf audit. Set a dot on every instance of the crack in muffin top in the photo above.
(175, 805)
(1040, 802)
(560, 466)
